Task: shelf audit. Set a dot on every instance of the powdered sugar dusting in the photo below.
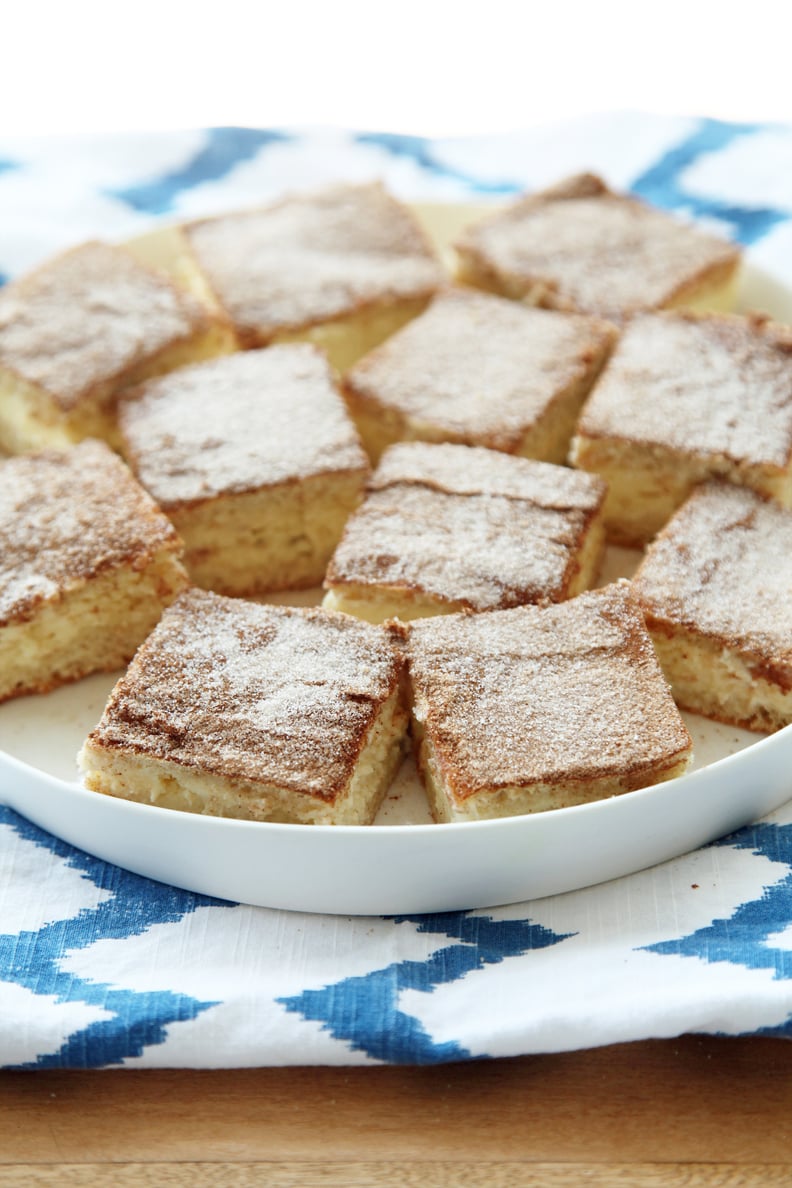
(65, 517)
(470, 470)
(239, 423)
(87, 316)
(312, 257)
(567, 692)
(481, 367)
(274, 694)
(469, 526)
(594, 250)
(699, 384)
(723, 567)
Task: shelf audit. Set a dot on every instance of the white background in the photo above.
(429, 66)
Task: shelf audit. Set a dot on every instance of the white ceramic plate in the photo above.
(402, 864)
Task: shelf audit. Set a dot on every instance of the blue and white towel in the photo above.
(99, 967)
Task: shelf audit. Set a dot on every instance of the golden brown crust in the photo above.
(66, 517)
(566, 693)
(722, 569)
(468, 526)
(238, 424)
(699, 384)
(580, 246)
(269, 694)
(312, 258)
(89, 316)
(577, 185)
(482, 369)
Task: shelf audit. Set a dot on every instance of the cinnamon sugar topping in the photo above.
(467, 470)
(723, 568)
(469, 526)
(482, 367)
(64, 518)
(567, 692)
(312, 257)
(260, 693)
(239, 423)
(87, 316)
(703, 384)
(586, 248)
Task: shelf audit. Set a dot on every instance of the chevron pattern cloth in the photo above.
(100, 968)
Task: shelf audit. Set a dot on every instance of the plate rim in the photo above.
(752, 756)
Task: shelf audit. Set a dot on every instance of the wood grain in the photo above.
(690, 1111)
(408, 1175)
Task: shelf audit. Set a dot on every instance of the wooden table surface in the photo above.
(692, 1111)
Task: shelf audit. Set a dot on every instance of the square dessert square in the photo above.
(81, 327)
(255, 460)
(684, 398)
(87, 564)
(342, 267)
(450, 528)
(538, 708)
(715, 590)
(580, 246)
(267, 713)
(480, 370)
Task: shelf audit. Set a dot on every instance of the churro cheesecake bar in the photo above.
(581, 246)
(449, 527)
(268, 713)
(87, 564)
(342, 267)
(255, 460)
(687, 397)
(480, 370)
(80, 328)
(539, 708)
(715, 589)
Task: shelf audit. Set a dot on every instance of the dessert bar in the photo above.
(267, 713)
(450, 528)
(341, 267)
(87, 564)
(539, 708)
(580, 246)
(255, 460)
(80, 328)
(687, 397)
(480, 370)
(715, 588)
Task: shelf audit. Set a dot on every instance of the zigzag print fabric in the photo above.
(102, 968)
